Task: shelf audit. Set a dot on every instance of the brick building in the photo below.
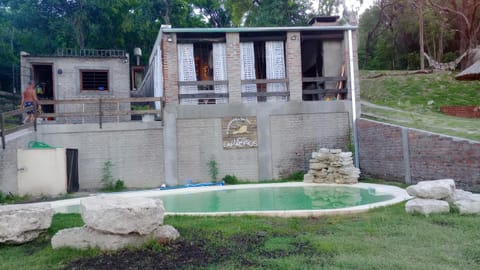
(258, 101)
(75, 74)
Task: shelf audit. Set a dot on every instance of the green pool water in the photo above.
(271, 199)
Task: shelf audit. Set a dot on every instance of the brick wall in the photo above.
(233, 67)
(293, 63)
(200, 140)
(381, 152)
(135, 149)
(418, 155)
(295, 137)
(170, 67)
(462, 111)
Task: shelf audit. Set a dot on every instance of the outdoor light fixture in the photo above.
(169, 38)
(294, 37)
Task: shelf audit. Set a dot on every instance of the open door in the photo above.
(43, 76)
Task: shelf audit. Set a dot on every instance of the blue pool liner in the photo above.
(190, 185)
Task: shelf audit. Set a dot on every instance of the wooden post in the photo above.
(2, 129)
(35, 105)
(100, 112)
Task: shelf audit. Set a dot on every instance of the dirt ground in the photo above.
(177, 255)
(181, 254)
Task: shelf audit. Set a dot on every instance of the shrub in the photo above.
(213, 169)
(230, 180)
(108, 183)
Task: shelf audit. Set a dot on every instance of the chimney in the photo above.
(324, 21)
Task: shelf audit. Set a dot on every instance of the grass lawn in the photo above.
(385, 238)
(415, 101)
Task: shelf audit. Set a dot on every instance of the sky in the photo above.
(352, 3)
(366, 4)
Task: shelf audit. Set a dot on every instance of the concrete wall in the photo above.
(409, 155)
(135, 149)
(66, 84)
(8, 159)
(286, 135)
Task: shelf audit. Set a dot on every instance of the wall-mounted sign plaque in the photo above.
(239, 132)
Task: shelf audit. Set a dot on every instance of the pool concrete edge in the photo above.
(399, 195)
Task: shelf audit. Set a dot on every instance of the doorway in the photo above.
(43, 77)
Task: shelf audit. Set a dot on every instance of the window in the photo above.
(202, 73)
(263, 71)
(323, 66)
(94, 80)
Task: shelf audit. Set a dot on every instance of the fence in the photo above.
(100, 114)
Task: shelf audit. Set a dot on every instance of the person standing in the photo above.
(29, 98)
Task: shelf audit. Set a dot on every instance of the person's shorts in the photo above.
(29, 104)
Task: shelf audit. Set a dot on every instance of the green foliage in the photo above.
(108, 182)
(230, 179)
(11, 198)
(295, 176)
(417, 99)
(213, 169)
(278, 13)
(384, 238)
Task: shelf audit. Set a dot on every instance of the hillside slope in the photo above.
(414, 100)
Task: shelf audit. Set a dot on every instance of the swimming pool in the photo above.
(282, 199)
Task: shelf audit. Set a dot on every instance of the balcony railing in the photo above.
(98, 114)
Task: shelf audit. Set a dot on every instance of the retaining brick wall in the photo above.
(417, 156)
(462, 111)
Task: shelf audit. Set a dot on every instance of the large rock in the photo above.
(427, 206)
(119, 215)
(436, 189)
(331, 166)
(85, 237)
(22, 223)
(467, 202)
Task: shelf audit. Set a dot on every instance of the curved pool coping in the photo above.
(399, 195)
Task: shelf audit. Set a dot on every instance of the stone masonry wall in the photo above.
(407, 155)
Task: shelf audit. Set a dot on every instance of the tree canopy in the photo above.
(389, 30)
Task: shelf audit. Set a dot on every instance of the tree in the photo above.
(467, 19)
(278, 13)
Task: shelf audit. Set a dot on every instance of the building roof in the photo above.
(260, 29)
(470, 74)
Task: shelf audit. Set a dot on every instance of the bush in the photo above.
(230, 180)
(108, 183)
(295, 176)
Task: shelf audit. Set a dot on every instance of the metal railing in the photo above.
(99, 114)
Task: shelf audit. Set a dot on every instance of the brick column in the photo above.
(233, 68)
(294, 65)
(170, 67)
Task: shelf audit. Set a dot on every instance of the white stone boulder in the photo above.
(467, 202)
(435, 189)
(468, 206)
(85, 237)
(118, 215)
(427, 206)
(22, 223)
